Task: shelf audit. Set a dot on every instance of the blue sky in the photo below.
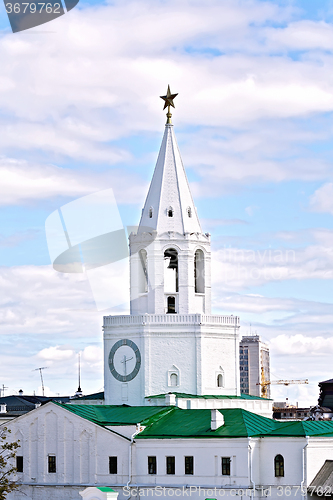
(80, 112)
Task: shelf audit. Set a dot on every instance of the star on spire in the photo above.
(168, 101)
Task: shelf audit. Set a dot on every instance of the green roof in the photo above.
(196, 423)
(182, 395)
(237, 423)
(117, 415)
(171, 422)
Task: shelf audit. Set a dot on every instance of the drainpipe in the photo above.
(304, 463)
(250, 471)
(138, 429)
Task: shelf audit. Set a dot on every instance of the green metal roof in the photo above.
(171, 422)
(304, 428)
(182, 395)
(196, 424)
(118, 415)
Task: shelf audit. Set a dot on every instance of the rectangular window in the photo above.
(188, 465)
(52, 464)
(170, 465)
(112, 465)
(151, 465)
(226, 466)
(19, 463)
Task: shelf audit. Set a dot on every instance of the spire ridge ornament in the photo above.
(168, 101)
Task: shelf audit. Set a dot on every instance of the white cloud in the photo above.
(322, 199)
(294, 345)
(27, 183)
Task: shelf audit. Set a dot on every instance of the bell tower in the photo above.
(170, 255)
(170, 342)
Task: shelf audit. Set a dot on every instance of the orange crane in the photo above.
(265, 383)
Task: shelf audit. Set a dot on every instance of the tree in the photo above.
(7, 469)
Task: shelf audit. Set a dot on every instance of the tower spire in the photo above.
(169, 205)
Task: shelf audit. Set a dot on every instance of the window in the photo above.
(52, 464)
(151, 465)
(189, 211)
(151, 213)
(226, 466)
(199, 272)
(170, 271)
(188, 465)
(170, 212)
(171, 305)
(112, 465)
(173, 380)
(170, 465)
(19, 463)
(279, 466)
(219, 380)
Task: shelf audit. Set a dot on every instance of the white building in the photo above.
(188, 426)
(254, 365)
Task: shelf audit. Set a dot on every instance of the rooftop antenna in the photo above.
(41, 375)
(3, 390)
(79, 390)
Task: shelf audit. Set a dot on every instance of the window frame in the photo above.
(279, 465)
(151, 460)
(51, 464)
(113, 460)
(170, 465)
(19, 466)
(225, 466)
(189, 464)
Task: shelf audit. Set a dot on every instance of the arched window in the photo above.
(189, 211)
(220, 380)
(173, 379)
(279, 466)
(170, 271)
(199, 272)
(143, 272)
(170, 212)
(150, 212)
(171, 305)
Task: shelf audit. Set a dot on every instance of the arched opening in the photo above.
(143, 272)
(170, 212)
(170, 271)
(171, 305)
(199, 271)
(220, 380)
(173, 379)
(279, 466)
(189, 211)
(150, 212)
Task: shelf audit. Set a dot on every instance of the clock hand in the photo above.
(125, 361)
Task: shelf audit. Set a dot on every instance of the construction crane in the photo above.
(41, 376)
(265, 383)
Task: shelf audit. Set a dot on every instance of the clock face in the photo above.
(124, 360)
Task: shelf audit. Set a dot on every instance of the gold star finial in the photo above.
(168, 101)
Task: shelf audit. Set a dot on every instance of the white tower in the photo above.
(170, 342)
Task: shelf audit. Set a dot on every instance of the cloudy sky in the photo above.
(80, 112)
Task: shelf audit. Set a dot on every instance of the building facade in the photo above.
(254, 366)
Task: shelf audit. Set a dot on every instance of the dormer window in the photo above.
(189, 212)
(170, 212)
(150, 212)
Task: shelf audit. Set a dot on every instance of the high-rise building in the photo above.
(253, 365)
